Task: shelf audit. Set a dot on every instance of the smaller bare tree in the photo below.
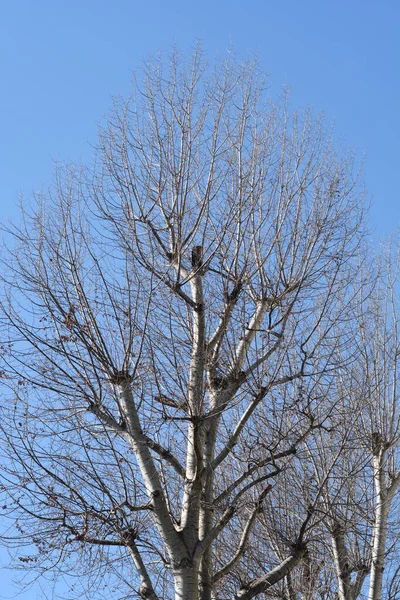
(380, 420)
(359, 498)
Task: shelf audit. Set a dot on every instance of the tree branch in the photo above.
(149, 472)
(112, 424)
(251, 331)
(227, 515)
(243, 539)
(166, 455)
(146, 590)
(262, 584)
(230, 302)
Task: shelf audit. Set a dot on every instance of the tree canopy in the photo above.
(202, 378)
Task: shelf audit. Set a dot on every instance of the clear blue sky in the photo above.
(61, 60)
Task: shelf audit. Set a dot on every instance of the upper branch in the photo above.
(230, 302)
(247, 414)
(247, 339)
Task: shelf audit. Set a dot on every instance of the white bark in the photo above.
(150, 476)
(384, 496)
(193, 484)
(379, 539)
(187, 583)
(341, 563)
(146, 589)
(250, 334)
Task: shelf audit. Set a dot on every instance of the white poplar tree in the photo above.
(172, 318)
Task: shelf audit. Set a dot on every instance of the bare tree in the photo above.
(358, 458)
(174, 316)
(340, 463)
(380, 419)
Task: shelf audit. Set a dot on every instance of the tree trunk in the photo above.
(187, 583)
(378, 549)
(341, 563)
(207, 512)
(380, 527)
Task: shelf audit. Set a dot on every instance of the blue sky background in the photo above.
(61, 61)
